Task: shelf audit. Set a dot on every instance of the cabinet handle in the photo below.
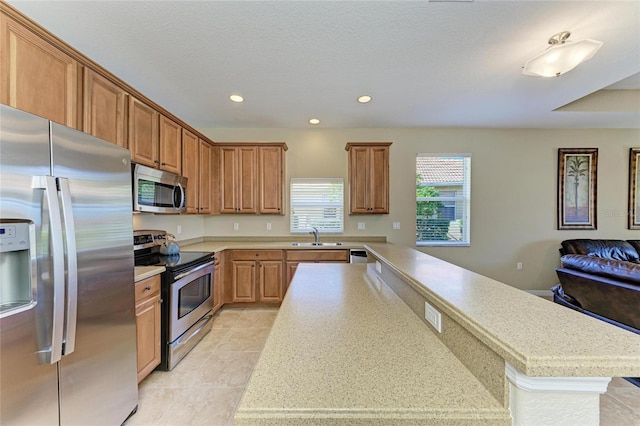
(164, 164)
(156, 161)
(148, 287)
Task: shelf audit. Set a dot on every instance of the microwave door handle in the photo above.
(72, 267)
(53, 353)
(179, 187)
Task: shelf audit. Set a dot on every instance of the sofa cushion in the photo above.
(618, 269)
(607, 249)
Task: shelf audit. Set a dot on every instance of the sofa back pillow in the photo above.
(606, 249)
(616, 269)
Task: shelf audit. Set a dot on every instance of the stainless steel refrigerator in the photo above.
(67, 314)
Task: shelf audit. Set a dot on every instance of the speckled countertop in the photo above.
(144, 272)
(346, 349)
(537, 337)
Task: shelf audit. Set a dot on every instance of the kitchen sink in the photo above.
(316, 244)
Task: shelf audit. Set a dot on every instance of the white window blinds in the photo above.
(317, 202)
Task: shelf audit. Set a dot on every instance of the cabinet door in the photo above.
(271, 178)
(247, 181)
(243, 281)
(204, 187)
(190, 168)
(270, 281)
(104, 109)
(359, 179)
(143, 133)
(148, 336)
(378, 191)
(228, 176)
(35, 76)
(170, 145)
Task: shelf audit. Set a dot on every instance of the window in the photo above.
(317, 203)
(443, 199)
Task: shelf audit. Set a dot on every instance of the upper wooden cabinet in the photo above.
(170, 147)
(368, 177)
(41, 74)
(35, 76)
(104, 108)
(271, 172)
(191, 168)
(196, 167)
(251, 178)
(238, 179)
(204, 187)
(143, 133)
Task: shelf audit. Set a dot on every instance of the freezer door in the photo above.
(28, 380)
(98, 371)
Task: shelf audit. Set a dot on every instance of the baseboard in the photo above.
(541, 293)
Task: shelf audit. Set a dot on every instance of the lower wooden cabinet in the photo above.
(295, 257)
(256, 276)
(148, 325)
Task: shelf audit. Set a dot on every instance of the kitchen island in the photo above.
(346, 349)
(350, 346)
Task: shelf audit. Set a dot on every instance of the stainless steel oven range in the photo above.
(187, 294)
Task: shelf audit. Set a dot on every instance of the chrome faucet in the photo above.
(316, 235)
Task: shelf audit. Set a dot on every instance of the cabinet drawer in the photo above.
(256, 255)
(147, 288)
(318, 255)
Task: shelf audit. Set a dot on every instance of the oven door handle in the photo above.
(204, 320)
(191, 271)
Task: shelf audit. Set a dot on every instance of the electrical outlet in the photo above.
(396, 225)
(268, 226)
(519, 266)
(434, 317)
(360, 225)
(378, 267)
(236, 226)
(179, 230)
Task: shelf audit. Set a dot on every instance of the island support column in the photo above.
(554, 400)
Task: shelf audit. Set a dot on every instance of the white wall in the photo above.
(513, 207)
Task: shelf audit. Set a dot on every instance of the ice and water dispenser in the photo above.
(17, 265)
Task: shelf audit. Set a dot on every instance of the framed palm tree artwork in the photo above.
(634, 188)
(577, 186)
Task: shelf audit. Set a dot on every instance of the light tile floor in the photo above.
(206, 387)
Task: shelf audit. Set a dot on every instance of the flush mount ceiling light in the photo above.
(561, 56)
(364, 99)
(236, 98)
(314, 121)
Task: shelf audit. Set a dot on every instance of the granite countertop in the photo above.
(346, 349)
(144, 272)
(217, 246)
(536, 336)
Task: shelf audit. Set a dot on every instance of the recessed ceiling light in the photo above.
(314, 121)
(236, 98)
(364, 99)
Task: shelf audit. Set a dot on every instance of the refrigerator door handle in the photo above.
(72, 267)
(52, 354)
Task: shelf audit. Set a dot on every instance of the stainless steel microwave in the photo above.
(157, 191)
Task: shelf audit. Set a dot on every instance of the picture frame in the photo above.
(634, 188)
(577, 187)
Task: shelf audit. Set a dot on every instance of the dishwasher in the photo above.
(357, 256)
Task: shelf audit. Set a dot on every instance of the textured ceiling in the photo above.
(426, 64)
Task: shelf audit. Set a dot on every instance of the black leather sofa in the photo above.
(601, 278)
